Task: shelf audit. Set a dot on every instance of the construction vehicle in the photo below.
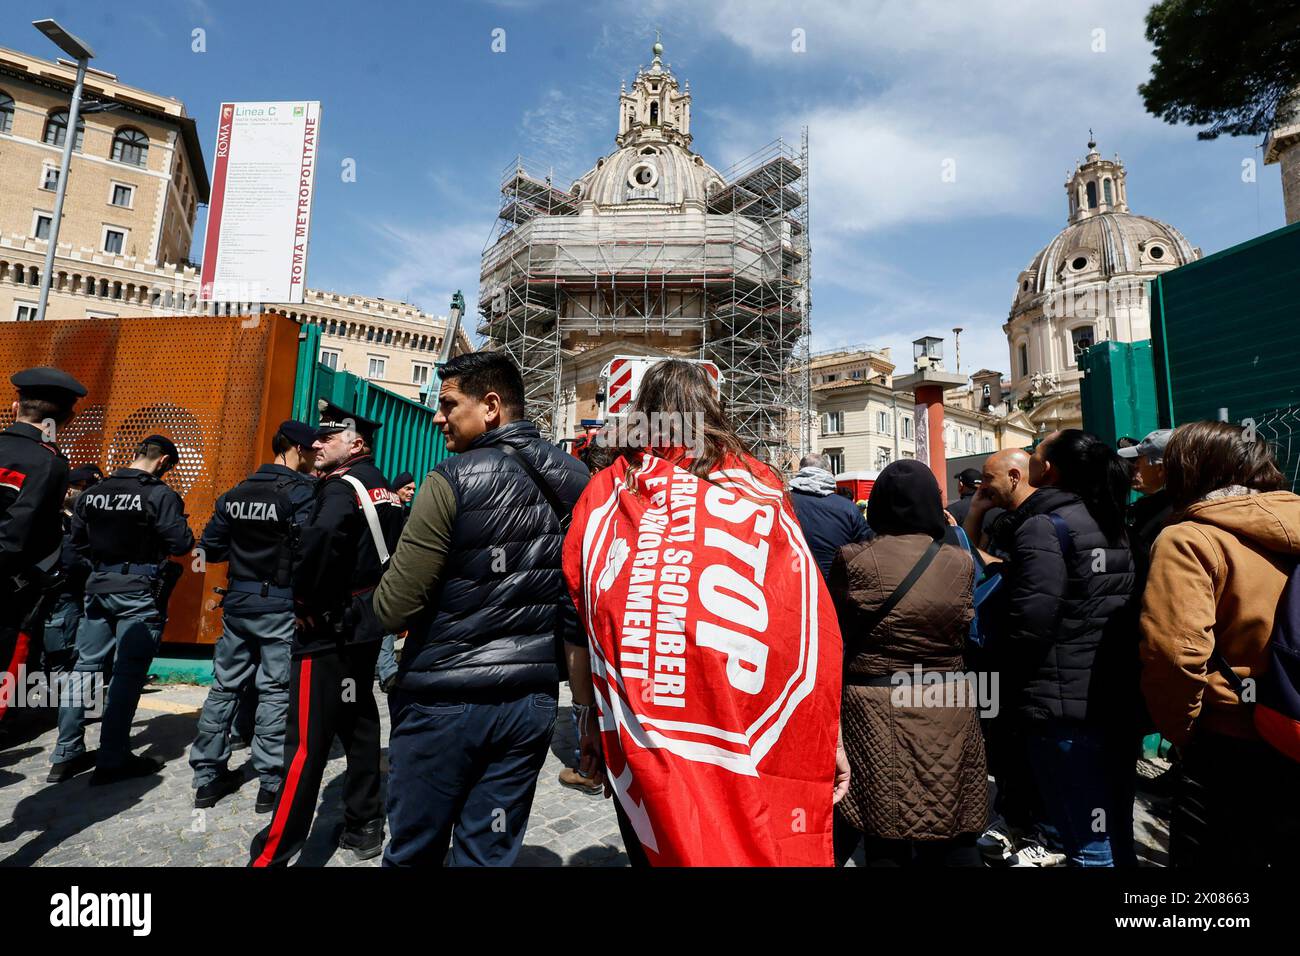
(616, 389)
(621, 378)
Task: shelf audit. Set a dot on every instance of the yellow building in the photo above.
(137, 178)
(864, 421)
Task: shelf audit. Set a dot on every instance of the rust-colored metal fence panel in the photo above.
(217, 386)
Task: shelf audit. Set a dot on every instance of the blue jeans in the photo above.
(120, 631)
(464, 769)
(1087, 782)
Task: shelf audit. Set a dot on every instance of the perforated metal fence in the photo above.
(217, 387)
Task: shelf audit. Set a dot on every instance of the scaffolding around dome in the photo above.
(673, 255)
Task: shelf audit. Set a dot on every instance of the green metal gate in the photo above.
(408, 441)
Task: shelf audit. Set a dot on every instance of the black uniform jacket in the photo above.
(339, 566)
(130, 519)
(33, 481)
(258, 546)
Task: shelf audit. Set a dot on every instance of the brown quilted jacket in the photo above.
(918, 769)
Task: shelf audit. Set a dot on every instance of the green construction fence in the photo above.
(1118, 390)
(1225, 336)
(408, 440)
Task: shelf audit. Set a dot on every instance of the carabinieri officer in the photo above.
(354, 527)
(33, 481)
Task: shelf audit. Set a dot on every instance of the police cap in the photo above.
(334, 419)
(165, 443)
(52, 384)
(299, 433)
(85, 475)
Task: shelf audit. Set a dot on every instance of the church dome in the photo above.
(649, 172)
(1102, 240)
(654, 162)
(1103, 246)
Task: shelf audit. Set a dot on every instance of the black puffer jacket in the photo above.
(501, 599)
(1069, 650)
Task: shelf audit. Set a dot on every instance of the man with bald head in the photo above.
(1004, 486)
(1014, 838)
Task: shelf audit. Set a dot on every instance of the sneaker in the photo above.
(211, 792)
(134, 766)
(576, 781)
(1032, 853)
(265, 800)
(997, 844)
(365, 843)
(68, 769)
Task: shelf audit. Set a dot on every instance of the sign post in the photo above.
(259, 218)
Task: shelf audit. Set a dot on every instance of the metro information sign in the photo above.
(259, 219)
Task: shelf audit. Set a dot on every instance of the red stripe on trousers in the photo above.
(290, 785)
(19, 659)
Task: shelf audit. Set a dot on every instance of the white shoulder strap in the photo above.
(372, 516)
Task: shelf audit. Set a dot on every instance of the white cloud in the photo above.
(890, 91)
(428, 264)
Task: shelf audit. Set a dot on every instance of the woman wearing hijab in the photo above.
(918, 790)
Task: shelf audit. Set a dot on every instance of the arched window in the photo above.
(130, 146)
(1092, 195)
(654, 114)
(6, 113)
(56, 130)
(1105, 189)
(1081, 339)
(1024, 359)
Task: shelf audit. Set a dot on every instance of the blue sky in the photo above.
(890, 90)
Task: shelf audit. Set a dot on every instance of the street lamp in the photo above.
(80, 52)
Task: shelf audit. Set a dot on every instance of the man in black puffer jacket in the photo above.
(476, 581)
(1069, 652)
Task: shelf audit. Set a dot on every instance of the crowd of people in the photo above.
(760, 673)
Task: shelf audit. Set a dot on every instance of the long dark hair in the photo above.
(1090, 468)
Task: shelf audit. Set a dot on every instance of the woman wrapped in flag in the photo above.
(715, 653)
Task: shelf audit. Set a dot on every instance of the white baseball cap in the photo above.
(1152, 448)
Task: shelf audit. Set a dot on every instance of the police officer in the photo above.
(127, 526)
(354, 526)
(33, 480)
(60, 626)
(254, 527)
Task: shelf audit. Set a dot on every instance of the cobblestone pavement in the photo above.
(152, 821)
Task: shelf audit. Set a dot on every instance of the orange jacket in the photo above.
(1216, 578)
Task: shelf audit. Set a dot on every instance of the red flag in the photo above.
(716, 659)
